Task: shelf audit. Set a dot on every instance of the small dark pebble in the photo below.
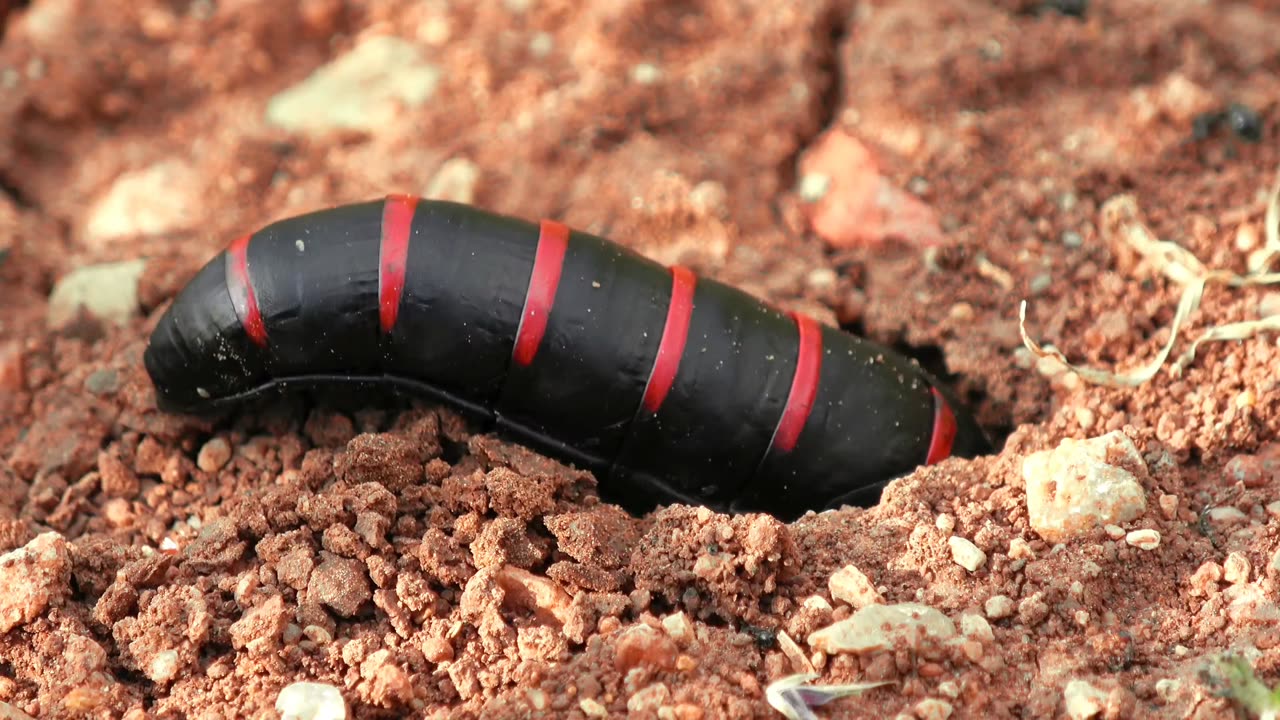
(103, 382)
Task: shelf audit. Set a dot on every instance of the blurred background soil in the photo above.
(907, 169)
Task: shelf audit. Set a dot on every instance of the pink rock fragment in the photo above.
(849, 203)
(34, 577)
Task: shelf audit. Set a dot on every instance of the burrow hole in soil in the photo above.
(933, 360)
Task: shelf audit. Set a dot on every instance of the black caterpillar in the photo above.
(669, 387)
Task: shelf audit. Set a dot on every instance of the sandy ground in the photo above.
(910, 170)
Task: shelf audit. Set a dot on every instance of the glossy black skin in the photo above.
(316, 278)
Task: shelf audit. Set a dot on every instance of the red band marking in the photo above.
(804, 384)
(674, 335)
(243, 297)
(944, 430)
(553, 241)
(393, 252)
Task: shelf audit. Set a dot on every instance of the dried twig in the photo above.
(1121, 223)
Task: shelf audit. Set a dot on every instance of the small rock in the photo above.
(151, 201)
(1251, 471)
(883, 627)
(678, 627)
(1083, 701)
(317, 635)
(117, 479)
(999, 607)
(1167, 689)
(1180, 98)
(641, 645)
(387, 459)
(455, 181)
(1144, 539)
(34, 577)
(437, 650)
(340, 583)
(649, 699)
(799, 661)
(163, 666)
(850, 203)
(1250, 605)
(533, 592)
(214, 455)
(1020, 549)
(260, 629)
(966, 554)
(976, 627)
(103, 382)
(1033, 610)
(311, 701)
(850, 585)
(108, 291)
(1236, 568)
(682, 711)
(944, 522)
(13, 371)
(9, 712)
(357, 90)
(933, 709)
(1082, 485)
(816, 602)
(1226, 515)
(167, 636)
(217, 546)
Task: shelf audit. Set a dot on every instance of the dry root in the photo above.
(1121, 224)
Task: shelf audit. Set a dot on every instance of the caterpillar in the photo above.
(671, 388)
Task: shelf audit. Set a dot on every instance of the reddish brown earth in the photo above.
(195, 570)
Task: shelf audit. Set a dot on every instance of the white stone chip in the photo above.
(34, 577)
(1082, 485)
(966, 554)
(356, 90)
(1083, 701)
(999, 606)
(157, 199)
(311, 701)
(883, 627)
(108, 291)
(852, 586)
(1144, 539)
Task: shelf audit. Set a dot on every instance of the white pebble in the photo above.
(311, 701)
(1082, 485)
(1083, 701)
(1144, 539)
(966, 554)
(999, 606)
